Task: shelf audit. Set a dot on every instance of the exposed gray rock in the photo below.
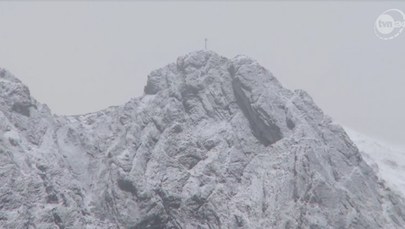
(213, 143)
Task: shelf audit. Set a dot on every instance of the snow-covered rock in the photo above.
(213, 143)
(387, 161)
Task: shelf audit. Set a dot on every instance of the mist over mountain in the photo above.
(387, 161)
(213, 143)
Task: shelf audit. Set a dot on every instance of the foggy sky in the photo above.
(81, 57)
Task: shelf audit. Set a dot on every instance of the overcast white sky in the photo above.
(81, 57)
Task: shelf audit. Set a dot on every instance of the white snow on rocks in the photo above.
(387, 161)
(213, 143)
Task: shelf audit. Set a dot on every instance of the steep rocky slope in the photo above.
(213, 143)
(387, 161)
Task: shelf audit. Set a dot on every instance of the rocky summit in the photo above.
(213, 143)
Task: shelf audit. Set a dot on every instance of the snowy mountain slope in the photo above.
(213, 143)
(387, 161)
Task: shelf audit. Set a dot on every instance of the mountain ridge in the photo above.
(213, 143)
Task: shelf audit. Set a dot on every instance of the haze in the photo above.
(81, 57)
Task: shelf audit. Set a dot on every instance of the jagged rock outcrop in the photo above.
(213, 143)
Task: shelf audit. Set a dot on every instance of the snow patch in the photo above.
(388, 161)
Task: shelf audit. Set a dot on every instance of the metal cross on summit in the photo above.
(206, 43)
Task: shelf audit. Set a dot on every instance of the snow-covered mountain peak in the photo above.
(213, 143)
(7, 76)
(199, 69)
(14, 95)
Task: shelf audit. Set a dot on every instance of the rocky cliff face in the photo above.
(213, 143)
